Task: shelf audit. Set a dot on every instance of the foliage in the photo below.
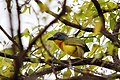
(82, 19)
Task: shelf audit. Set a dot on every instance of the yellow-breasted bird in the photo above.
(71, 45)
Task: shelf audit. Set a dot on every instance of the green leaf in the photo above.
(68, 8)
(97, 27)
(99, 55)
(8, 50)
(111, 5)
(58, 9)
(46, 56)
(110, 47)
(67, 74)
(25, 33)
(34, 60)
(25, 9)
(87, 40)
(43, 7)
(30, 71)
(6, 67)
(91, 67)
(61, 55)
(95, 47)
(112, 20)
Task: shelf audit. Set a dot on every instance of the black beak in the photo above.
(52, 38)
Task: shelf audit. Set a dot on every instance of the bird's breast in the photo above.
(59, 43)
(69, 49)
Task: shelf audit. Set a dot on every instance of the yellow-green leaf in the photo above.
(43, 7)
(25, 9)
(25, 33)
(30, 71)
(61, 55)
(95, 47)
(99, 55)
(8, 50)
(97, 27)
(67, 74)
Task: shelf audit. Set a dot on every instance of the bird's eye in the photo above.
(59, 35)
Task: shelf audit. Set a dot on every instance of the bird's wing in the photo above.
(74, 41)
(80, 52)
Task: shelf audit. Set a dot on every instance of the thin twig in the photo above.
(10, 16)
(10, 38)
(19, 26)
(26, 2)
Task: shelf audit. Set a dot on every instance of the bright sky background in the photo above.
(27, 20)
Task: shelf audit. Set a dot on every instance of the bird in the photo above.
(72, 46)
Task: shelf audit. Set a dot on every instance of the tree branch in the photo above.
(18, 59)
(115, 33)
(19, 26)
(10, 16)
(34, 76)
(115, 41)
(10, 38)
(86, 76)
(76, 62)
